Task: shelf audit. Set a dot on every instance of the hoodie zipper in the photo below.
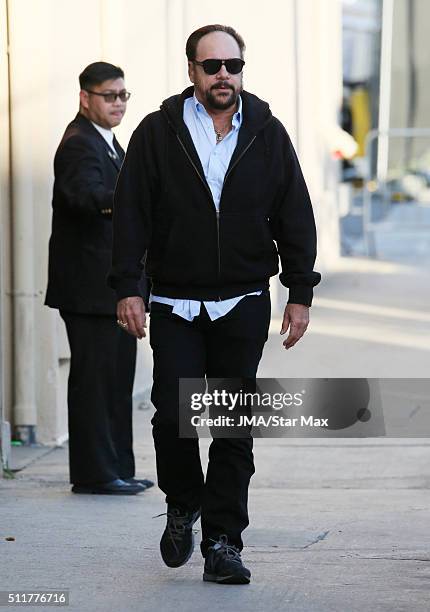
(212, 200)
(210, 193)
(237, 161)
(219, 250)
(195, 167)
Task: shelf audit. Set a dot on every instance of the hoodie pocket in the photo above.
(190, 251)
(248, 251)
(246, 235)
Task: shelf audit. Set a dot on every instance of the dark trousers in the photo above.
(100, 386)
(230, 346)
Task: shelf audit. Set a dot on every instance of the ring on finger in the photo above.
(123, 324)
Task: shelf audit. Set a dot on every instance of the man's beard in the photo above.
(224, 103)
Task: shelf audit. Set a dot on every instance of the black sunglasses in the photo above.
(212, 66)
(111, 97)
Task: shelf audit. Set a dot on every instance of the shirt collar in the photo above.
(107, 134)
(237, 117)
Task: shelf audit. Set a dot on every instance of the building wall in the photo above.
(293, 61)
(410, 90)
(6, 378)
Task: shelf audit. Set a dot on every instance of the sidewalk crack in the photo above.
(424, 559)
(319, 537)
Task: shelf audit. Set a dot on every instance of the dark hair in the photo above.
(98, 72)
(193, 39)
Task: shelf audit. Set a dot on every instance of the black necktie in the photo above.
(118, 148)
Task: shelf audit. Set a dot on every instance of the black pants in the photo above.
(100, 386)
(230, 346)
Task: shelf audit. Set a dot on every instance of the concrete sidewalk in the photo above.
(369, 319)
(336, 524)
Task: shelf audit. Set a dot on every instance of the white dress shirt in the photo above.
(107, 135)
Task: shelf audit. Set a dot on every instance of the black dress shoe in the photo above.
(114, 487)
(223, 564)
(177, 541)
(143, 481)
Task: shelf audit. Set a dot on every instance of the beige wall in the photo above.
(293, 61)
(5, 225)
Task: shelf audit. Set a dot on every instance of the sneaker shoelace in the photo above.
(228, 551)
(176, 523)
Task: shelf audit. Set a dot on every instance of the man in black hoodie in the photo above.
(209, 198)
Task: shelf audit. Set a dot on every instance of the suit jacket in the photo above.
(80, 246)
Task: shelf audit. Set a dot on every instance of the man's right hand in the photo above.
(131, 312)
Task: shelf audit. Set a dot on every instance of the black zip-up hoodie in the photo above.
(165, 218)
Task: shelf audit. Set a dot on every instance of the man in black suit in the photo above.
(103, 357)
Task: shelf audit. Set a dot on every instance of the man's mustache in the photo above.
(222, 85)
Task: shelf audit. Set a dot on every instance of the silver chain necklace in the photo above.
(219, 133)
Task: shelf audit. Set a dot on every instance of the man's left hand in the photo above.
(296, 317)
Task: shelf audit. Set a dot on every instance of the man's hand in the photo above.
(296, 317)
(131, 316)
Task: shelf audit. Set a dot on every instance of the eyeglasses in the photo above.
(212, 66)
(111, 97)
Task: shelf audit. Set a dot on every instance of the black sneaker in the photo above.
(177, 541)
(223, 564)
